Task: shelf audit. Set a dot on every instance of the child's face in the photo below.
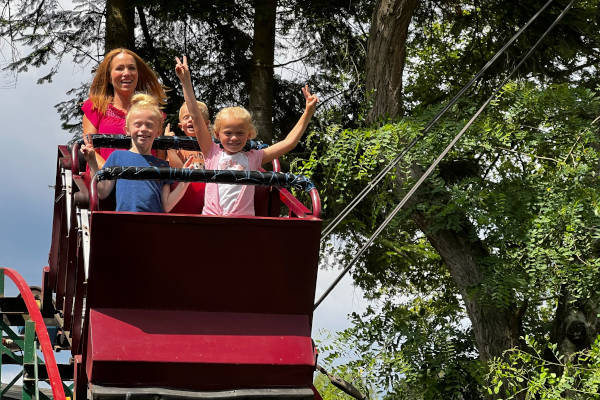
(143, 127)
(234, 134)
(123, 73)
(185, 121)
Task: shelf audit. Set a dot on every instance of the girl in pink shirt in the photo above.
(233, 127)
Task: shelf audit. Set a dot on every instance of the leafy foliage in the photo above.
(575, 377)
(322, 46)
(466, 34)
(525, 176)
(40, 33)
(334, 347)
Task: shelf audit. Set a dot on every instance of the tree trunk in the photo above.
(261, 76)
(496, 327)
(149, 45)
(120, 23)
(386, 54)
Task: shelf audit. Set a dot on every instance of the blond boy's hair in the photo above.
(203, 110)
(237, 113)
(144, 101)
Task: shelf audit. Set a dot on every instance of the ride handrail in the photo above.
(278, 179)
(159, 143)
(75, 159)
(41, 331)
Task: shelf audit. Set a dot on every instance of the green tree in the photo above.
(574, 377)
(219, 36)
(481, 241)
(450, 41)
(522, 225)
(353, 376)
(261, 77)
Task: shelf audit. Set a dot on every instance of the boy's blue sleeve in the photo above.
(112, 160)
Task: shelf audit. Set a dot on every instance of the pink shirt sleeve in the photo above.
(92, 114)
(210, 159)
(255, 158)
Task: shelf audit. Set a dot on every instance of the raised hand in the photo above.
(311, 101)
(168, 131)
(182, 69)
(87, 138)
(194, 161)
(189, 163)
(88, 152)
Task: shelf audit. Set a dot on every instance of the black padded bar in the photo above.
(278, 179)
(160, 143)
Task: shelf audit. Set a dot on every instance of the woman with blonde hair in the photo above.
(121, 74)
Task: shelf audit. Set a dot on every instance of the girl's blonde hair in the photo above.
(144, 101)
(237, 113)
(102, 91)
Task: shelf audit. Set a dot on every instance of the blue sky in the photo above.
(29, 137)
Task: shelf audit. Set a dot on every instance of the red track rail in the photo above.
(41, 331)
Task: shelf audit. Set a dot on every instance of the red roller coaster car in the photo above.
(177, 305)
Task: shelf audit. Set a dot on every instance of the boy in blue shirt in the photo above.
(143, 124)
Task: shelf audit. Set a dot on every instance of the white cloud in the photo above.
(332, 313)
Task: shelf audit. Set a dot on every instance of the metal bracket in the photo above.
(83, 219)
(68, 184)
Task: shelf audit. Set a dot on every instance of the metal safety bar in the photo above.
(267, 178)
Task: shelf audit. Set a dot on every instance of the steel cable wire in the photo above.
(375, 181)
(438, 159)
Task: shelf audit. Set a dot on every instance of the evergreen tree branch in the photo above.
(150, 43)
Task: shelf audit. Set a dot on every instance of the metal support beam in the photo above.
(30, 389)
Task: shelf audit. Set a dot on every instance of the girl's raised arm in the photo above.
(202, 134)
(291, 140)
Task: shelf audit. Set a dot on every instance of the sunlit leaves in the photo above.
(530, 374)
(524, 176)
